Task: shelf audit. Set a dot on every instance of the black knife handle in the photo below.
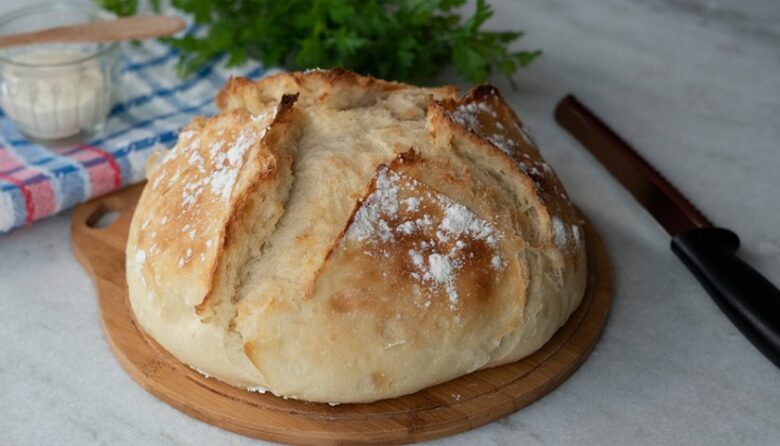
(748, 298)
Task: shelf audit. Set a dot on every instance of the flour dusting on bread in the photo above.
(439, 231)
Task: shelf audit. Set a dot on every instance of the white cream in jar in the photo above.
(55, 94)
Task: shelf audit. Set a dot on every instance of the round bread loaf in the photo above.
(337, 238)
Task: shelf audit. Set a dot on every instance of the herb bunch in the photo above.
(405, 40)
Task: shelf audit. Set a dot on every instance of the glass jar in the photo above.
(61, 92)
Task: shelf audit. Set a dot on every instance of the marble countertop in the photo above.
(694, 84)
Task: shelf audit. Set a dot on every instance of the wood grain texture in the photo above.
(449, 408)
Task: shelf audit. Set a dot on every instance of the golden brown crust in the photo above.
(497, 124)
(336, 86)
(484, 118)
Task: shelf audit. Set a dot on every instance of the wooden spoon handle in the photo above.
(127, 28)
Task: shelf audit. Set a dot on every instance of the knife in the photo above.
(750, 300)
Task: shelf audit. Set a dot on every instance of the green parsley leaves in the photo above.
(405, 40)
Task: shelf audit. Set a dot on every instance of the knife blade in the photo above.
(749, 300)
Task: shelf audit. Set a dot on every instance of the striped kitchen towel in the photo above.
(153, 103)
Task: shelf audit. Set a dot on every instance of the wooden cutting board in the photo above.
(446, 409)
